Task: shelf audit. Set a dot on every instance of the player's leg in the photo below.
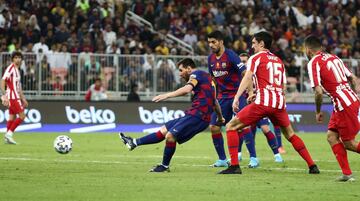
(352, 145)
(184, 130)
(250, 145)
(8, 137)
(340, 153)
(281, 118)
(271, 139)
(147, 139)
(216, 134)
(247, 116)
(277, 132)
(15, 107)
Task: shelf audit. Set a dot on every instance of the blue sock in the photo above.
(271, 139)
(253, 130)
(250, 142)
(218, 141)
(169, 151)
(278, 135)
(241, 141)
(150, 139)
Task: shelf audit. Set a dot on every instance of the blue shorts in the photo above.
(186, 127)
(227, 110)
(263, 121)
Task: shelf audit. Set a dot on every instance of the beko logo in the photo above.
(91, 115)
(159, 116)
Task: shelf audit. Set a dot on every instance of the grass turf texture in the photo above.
(101, 168)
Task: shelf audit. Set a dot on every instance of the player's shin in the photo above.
(218, 141)
(169, 151)
(271, 139)
(233, 144)
(15, 124)
(300, 147)
(150, 139)
(341, 156)
(8, 124)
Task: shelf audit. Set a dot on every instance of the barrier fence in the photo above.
(67, 76)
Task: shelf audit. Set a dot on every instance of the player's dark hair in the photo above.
(313, 42)
(264, 36)
(16, 53)
(217, 35)
(187, 62)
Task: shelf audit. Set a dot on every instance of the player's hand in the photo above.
(319, 117)
(160, 98)
(251, 98)
(220, 121)
(235, 104)
(24, 102)
(5, 100)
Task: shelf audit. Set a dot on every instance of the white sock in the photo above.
(9, 133)
(134, 141)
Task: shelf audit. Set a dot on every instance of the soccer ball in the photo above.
(63, 144)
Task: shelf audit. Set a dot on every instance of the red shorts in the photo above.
(252, 113)
(346, 122)
(15, 106)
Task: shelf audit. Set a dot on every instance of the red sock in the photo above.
(358, 148)
(159, 135)
(15, 124)
(8, 125)
(269, 135)
(233, 144)
(300, 147)
(341, 156)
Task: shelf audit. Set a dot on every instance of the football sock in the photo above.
(341, 156)
(250, 142)
(300, 147)
(150, 139)
(169, 151)
(15, 124)
(233, 145)
(253, 130)
(278, 135)
(8, 125)
(218, 141)
(241, 140)
(271, 139)
(358, 148)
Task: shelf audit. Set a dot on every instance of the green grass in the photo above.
(100, 168)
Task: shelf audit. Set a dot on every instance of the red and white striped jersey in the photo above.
(12, 79)
(269, 78)
(329, 72)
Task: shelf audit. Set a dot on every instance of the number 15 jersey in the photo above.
(329, 72)
(269, 79)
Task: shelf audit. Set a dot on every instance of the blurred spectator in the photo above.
(58, 86)
(133, 96)
(96, 92)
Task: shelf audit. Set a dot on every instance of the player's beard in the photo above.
(216, 51)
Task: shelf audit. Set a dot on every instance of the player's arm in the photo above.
(179, 92)
(318, 102)
(4, 99)
(352, 80)
(245, 84)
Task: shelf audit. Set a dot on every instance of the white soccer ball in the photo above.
(63, 144)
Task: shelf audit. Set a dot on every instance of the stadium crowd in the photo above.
(98, 26)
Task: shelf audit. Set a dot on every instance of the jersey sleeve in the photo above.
(314, 73)
(253, 63)
(7, 74)
(236, 62)
(284, 75)
(193, 80)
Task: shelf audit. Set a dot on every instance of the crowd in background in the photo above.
(53, 29)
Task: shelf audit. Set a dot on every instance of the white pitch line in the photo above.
(24, 127)
(93, 128)
(144, 163)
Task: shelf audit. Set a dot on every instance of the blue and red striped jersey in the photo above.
(203, 99)
(226, 71)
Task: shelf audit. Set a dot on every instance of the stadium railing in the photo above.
(67, 76)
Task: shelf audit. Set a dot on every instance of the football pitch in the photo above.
(101, 168)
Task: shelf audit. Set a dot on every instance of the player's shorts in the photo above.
(346, 122)
(263, 121)
(15, 106)
(186, 127)
(227, 110)
(253, 113)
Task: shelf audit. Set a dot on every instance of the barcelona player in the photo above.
(196, 119)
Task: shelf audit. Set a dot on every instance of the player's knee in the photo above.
(214, 129)
(350, 145)
(332, 138)
(230, 126)
(170, 138)
(163, 130)
(22, 116)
